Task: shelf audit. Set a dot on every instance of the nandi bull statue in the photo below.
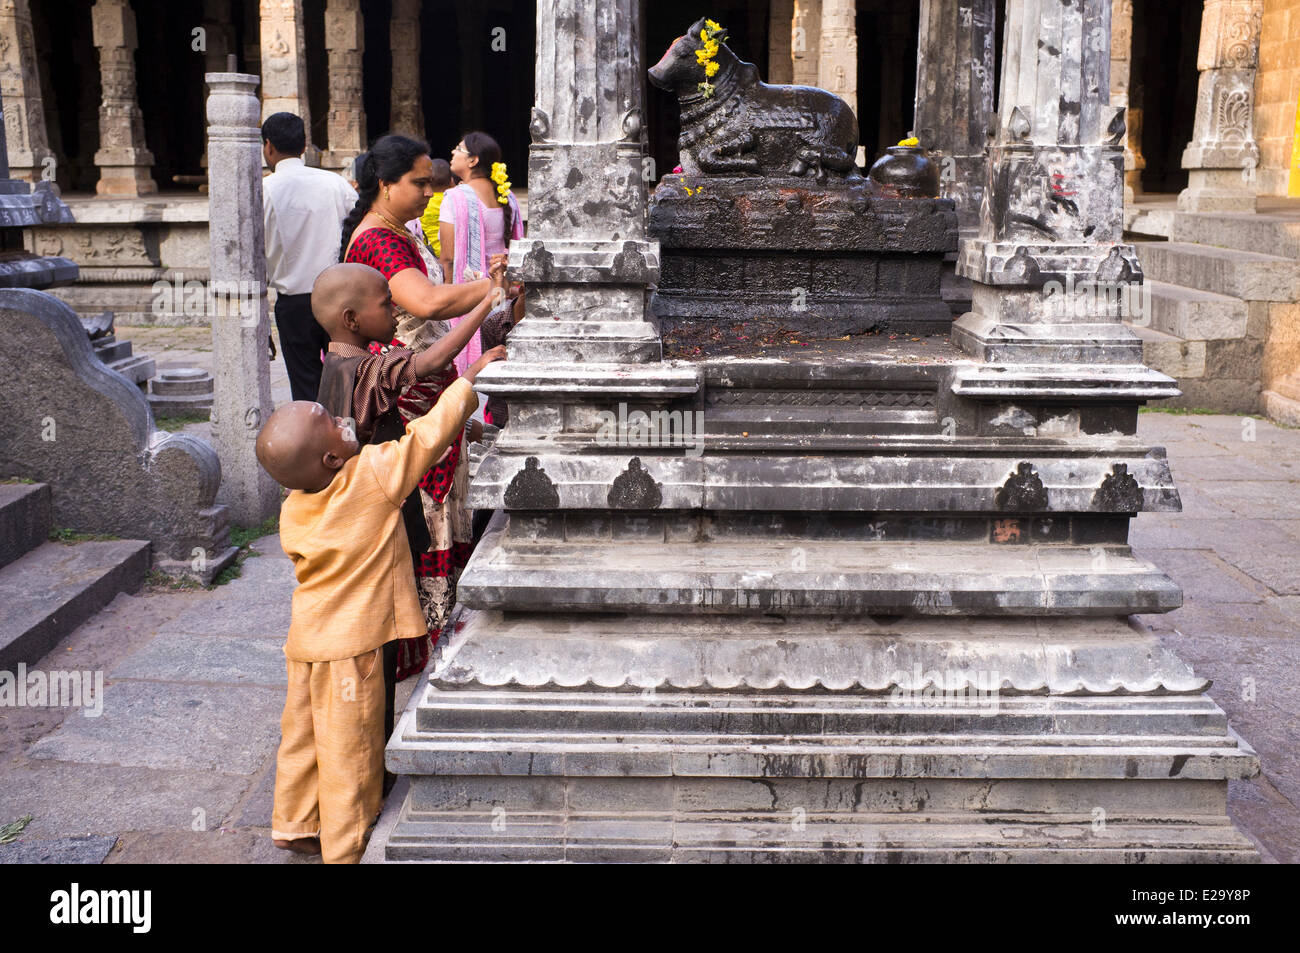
(735, 124)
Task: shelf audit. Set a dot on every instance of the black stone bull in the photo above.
(746, 127)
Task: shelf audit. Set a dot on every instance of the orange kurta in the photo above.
(356, 585)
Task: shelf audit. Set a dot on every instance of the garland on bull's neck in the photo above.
(711, 34)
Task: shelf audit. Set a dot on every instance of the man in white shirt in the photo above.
(304, 211)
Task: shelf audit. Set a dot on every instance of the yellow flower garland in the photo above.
(710, 36)
(503, 184)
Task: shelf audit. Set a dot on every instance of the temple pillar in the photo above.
(837, 64)
(586, 260)
(805, 42)
(284, 65)
(1121, 84)
(240, 323)
(1052, 217)
(345, 39)
(123, 160)
(1223, 156)
(954, 96)
(406, 112)
(20, 86)
(780, 64)
(219, 43)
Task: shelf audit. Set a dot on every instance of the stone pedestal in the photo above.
(30, 158)
(345, 38)
(22, 208)
(1223, 156)
(123, 160)
(861, 599)
(284, 65)
(237, 300)
(751, 260)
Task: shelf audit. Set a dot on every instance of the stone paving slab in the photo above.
(207, 658)
(168, 725)
(75, 798)
(60, 850)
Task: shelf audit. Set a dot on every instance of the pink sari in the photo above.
(471, 250)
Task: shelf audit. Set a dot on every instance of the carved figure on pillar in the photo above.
(284, 66)
(404, 31)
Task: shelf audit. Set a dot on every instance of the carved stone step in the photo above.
(814, 576)
(1195, 315)
(24, 519)
(54, 588)
(1249, 276)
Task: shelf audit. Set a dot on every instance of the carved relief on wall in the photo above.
(1230, 34)
(93, 246)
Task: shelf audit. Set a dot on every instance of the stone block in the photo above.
(88, 433)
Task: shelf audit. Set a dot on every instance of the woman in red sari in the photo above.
(394, 183)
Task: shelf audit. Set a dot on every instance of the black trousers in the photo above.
(301, 341)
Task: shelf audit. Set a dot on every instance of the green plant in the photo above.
(242, 536)
(70, 536)
(173, 424)
(9, 833)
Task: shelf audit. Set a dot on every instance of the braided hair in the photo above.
(389, 158)
(487, 150)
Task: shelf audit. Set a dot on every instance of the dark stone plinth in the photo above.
(749, 262)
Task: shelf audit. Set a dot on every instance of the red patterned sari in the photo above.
(443, 489)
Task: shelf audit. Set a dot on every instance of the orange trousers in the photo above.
(329, 772)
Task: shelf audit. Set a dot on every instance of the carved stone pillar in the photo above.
(780, 65)
(20, 86)
(345, 39)
(284, 66)
(407, 113)
(1052, 277)
(1222, 157)
(219, 43)
(586, 259)
(1121, 82)
(954, 96)
(837, 65)
(240, 324)
(805, 42)
(123, 159)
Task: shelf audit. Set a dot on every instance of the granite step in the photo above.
(1170, 354)
(1195, 315)
(819, 577)
(1253, 232)
(1249, 276)
(54, 588)
(137, 368)
(24, 519)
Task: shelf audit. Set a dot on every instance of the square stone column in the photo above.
(406, 111)
(1121, 76)
(805, 42)
(586, 259)
(346, 41)
(284, 66)
(123, 160)
(1223, 156)
(954, 96)
(780, 64)
(20, 86)
(237, 296)
(1053, 278)
(837, 64)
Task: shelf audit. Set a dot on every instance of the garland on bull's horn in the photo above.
(710, 36)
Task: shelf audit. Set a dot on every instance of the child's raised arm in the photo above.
(430, 362)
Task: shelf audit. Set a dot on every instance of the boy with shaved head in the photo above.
(341, 525)
(352, 302)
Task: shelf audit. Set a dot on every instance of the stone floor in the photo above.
(179, 766)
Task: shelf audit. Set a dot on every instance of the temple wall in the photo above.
(1277, 92)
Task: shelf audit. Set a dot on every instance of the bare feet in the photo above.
(300, 845)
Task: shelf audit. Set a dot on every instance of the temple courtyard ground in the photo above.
(179, 766)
